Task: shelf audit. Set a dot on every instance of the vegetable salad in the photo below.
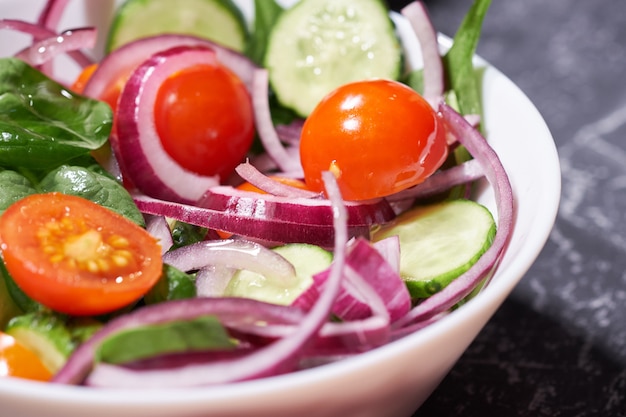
(222, 200)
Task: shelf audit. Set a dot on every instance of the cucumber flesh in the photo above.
(218, 20)
(44, 334)
(318, 45)
(307, 260)
(439, 242)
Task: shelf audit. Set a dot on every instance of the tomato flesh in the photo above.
(75, 256)
(204, 119)
(18, 361)
(378, 137)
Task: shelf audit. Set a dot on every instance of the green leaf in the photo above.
(458, 61)
(43, 124)
(185, 234)
(266, 12)
(13, 187)
(174, 284)
(94, 185)
(203, 333)
(19, 297)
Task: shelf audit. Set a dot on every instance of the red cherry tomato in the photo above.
(17, 361)
(377, 136)
(205, 120)
(75, 256)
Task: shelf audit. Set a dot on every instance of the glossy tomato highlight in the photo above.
(378, 137)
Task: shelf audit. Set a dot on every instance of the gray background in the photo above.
(557, 347)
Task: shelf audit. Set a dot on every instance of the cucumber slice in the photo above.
(44, 334)
(307, 260)
(439, 242)
(218, 20)
(318, 45)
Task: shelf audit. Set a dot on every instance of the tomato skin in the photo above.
(377, 136)
(205, 120)
(75, 256)
(18, 361)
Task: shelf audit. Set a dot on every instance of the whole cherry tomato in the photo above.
(377, 136)
(205, 120)
(75, 256)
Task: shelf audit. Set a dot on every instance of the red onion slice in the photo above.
(265, 126)
(117, 66)
(417, 15)
(464, 173)
(235, 254)
(368, 271)
(314, 211)
(255, 177)
(157, 226)
(260, 228)
(45, 50)
(138, 147)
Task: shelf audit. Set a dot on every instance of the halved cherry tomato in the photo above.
(18, 361)
(75, 256)
(377, 136)
(205, 120)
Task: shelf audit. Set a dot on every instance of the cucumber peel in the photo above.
(439, 242)
(46, 335)
(318, 45)
(220, 21)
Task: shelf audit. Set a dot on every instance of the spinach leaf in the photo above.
(43, 124)
(266, 12)
(13, 187)
(174, 284)
(94, 185)
(201, 334)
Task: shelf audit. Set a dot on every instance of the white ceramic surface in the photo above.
(391, 381)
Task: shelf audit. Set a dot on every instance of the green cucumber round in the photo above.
(318, 45)
(307, 260)
(439, 242)
(218, 20)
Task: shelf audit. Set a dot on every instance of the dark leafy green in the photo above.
(266, 12)
(201, 334)
(13, 187)
(95, 185)
(458, 61)
(174, 284)
(43, 124)
(184, 234)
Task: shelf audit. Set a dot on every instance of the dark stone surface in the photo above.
(557, 346)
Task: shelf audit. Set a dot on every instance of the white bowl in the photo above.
(390, 381)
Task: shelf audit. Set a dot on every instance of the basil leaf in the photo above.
(203, 333)
(94, 185)
(43, 124)
(13, 187)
